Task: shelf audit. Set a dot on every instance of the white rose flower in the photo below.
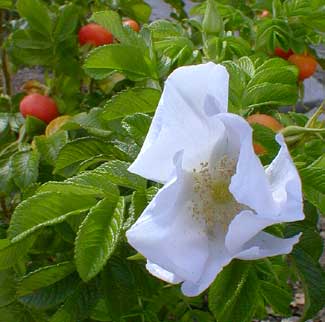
(217, 197)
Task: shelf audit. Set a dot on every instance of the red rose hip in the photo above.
(132, 24)
(94, 34)
(282, 53)
(307, 65)
(39, 106)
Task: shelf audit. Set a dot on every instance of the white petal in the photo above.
(218, 258)
(266, 245)
(168, 235)
(285, 184)
(249, 185)
(162, 274)
(244, 227)
(192, 94)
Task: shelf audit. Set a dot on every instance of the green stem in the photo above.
(311, 122)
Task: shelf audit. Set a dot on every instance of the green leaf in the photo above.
(124, 58)
(67, 22)
(270, 94)
(315, 197)
(197, 315)
(136, 9)
(98, 180)
(119, 288)
(34, 126)
(44, 277)
(98, 236)
(137, 126)
(232, 296)
(49, 147)
(277, 297)
(6, 4)
(313, 278)
(37, 16)
(117, 172)
(71, 187)
(101, 312)
(12, 252)
(25, 168)
(134, 100)
(77, 306)
(314, 177)
(47, 208)
(52, 295)
(8, 287)
(75, 152)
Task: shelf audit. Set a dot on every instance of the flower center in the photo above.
(212, 201)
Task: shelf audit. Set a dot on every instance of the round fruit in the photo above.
(306, 64)
(94, 34)
(39, 106)
(282, 53)
(264, 14)
(56, 124)
(265, 120)
(132, 24)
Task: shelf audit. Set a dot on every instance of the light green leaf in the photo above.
(270, 94)
(124, 58)
(44, 277)
(75, 152)
(71, 187)
(118, 173)
(46, 209)
(6, 4)
(97, 180)
(37, 16)
(232, 296)
(135, 100)
(136, 9)
(137, 126)
(25, 168)
(314, 177)
(98, 236)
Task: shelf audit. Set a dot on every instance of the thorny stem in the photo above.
(4, 57)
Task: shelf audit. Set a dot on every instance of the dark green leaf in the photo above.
(44, 277)
(232, 296)
(313, 278)
(277, 297)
